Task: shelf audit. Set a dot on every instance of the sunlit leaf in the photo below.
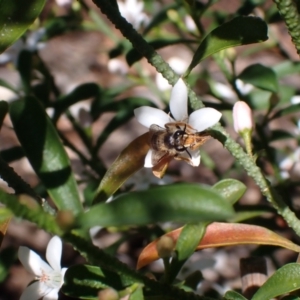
(233, 295)
(179, 202)
(224, 234)
(239, 31)
(15, 18)
(284, 280)
(230, 189)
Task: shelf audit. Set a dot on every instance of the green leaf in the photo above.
(15, 18)
(3, 111)
(239, 31)
(81, 92)
(7, 258)
(291, 109)
(12, 154)
(260, 76)
(25, 69)
(186, 245)
(8, 86)
(118, 120)
(284, 280)
(179, 203)
(230, 189)
(160, 17)
(233, 295)
(30, 211)
(277, 135)
(137, 293)
(45, 152)
(286, 67)
(124, 109)
(84, 281)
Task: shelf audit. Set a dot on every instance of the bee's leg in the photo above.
(188, 153)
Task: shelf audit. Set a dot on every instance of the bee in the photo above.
(174, 141)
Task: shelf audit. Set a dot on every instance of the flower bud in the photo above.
(165, 246)
(108, 294)
(242, 117)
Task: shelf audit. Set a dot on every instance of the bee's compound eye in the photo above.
(178, 133)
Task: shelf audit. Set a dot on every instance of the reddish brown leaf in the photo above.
(224, 234)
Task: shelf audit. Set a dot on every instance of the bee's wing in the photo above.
(158, 156)
(155, 128)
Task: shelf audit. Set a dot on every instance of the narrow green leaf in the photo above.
(30, 212)
(137, 294)
(160, 17)
(180, 203)
(284, 280)
(45, 152)
(186, 245)
(15, 18)
(81, 92)
(7, 258)
(3, 111)
(8, 86)
(25, 70)
(233, 295)
(239, 31)
(12, 154)
(84, 281)
(118, 120)
(231, 189)
(260, 76)
(277, 135)
(291, 109)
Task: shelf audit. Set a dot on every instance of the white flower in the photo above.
(64, 2)
(290, 166)
(132, 11)
(242, 117)
(244, 88)
(50, 277)
(178, 64)
(199, 120)
(117, 66)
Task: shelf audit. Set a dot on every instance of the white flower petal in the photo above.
(193, 159)
(204, 118)
(148, 159)
(147, 116)
(178, 101)
(52, 295)
(62, 272)
(162, 83)
(53, 253)
(33, 291)
(32, 262)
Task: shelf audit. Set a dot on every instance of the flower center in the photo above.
(53, 279)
